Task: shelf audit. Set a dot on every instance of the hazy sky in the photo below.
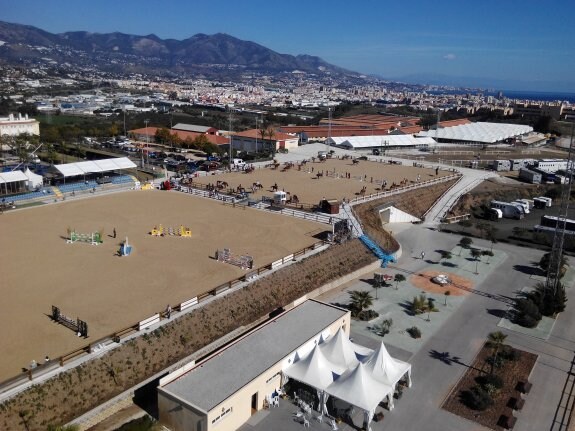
(528, 44)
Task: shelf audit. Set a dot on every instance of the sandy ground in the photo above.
(460, 285)
(39, 269)
(311, 190)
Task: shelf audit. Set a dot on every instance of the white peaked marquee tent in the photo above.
(339, 368)
(386, 369)
(313, 370)
(342, 352)
(359, 388)
(316, 371)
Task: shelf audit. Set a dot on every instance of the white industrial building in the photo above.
(483, 133)
(381, 142)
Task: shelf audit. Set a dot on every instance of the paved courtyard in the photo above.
(454, 336)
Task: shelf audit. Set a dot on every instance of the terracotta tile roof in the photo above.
(253, 133)
(451, 123)
(410, 130)
(151, 131)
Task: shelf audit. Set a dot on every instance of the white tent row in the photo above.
(31, 179)
(95, 166)
(379, 141)
(12, 177)
(359, 376)
(488, 133)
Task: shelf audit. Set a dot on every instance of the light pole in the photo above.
(257, 134)
(231, 137)
(147, 143)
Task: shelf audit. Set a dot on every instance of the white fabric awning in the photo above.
(313, 370)
(360, 389)
(95, 166)
(340, 351)
(384, 368)
(12, 177)
(124, 163)
(69, 170)
(478, 132)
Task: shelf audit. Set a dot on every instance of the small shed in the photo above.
(330, 206)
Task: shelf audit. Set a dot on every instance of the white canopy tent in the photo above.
(342, 352)
(488, 133)
(355, 374)
(359, 388)
(380, 141)
(386, 369)
(315, 370)
(94, 166)
(13, 182)
(34, 180)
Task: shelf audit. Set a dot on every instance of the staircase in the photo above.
(376, 249)
(347, 213)
(57, 192)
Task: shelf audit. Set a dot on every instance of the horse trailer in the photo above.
(530, 176)
(509, 210)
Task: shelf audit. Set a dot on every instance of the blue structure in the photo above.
(125, 248)
(376, 249)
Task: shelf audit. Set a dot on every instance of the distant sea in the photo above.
(522, 95)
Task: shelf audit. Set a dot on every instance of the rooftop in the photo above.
(228, 371)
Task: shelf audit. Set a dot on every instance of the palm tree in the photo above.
(360, 300)
(496, 339)
(398, 279)
(263, 133)
(464, 242)
(446, 293)
(270, 134)
(476, 254)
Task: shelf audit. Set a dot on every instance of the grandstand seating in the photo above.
(78, 187)
(376, 249)
(122, 179)
(28, 196)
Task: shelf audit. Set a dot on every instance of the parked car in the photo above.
(441, 279)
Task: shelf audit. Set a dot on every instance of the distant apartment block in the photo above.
(539, 110)
(14, 126)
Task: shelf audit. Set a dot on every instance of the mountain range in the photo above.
(218, 54)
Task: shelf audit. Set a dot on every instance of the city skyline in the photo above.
(495, 45)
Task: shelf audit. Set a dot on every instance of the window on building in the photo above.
(223, 415)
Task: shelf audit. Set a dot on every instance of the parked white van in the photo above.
(238, 163)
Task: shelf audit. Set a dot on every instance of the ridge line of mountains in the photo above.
(218, 54)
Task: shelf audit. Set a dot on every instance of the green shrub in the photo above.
(490, 379)
(526, 312)
(477, 398)
(367, 315)
(510, 354)
(414, 331)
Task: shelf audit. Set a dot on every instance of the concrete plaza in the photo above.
(454, 336)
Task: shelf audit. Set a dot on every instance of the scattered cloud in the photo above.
(449, 56)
